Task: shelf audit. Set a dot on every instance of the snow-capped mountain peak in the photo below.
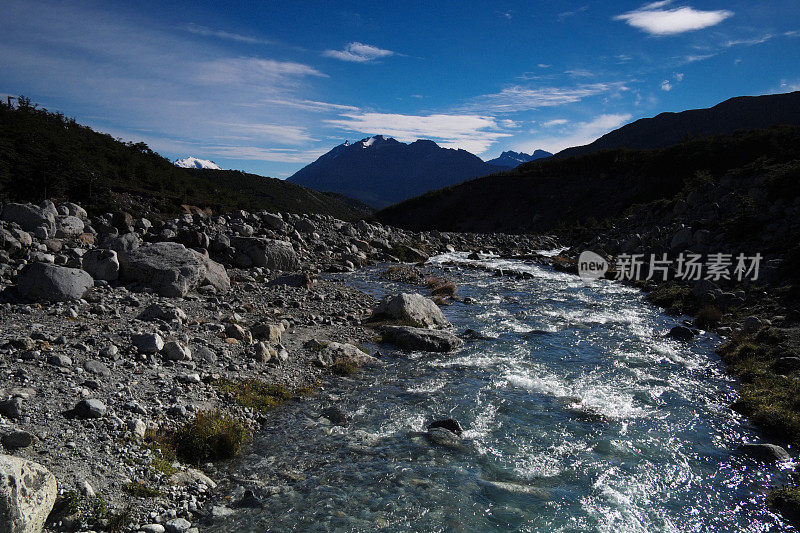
(193, 162)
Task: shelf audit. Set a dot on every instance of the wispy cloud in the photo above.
(581, 133)
(311, 105)
(473, 133)
(251, 71)
(222, 34)
(518, 98)
(358, 53)
(277, 133)
(555, 122)
(666, 86)
(748, 42)
(655, 20)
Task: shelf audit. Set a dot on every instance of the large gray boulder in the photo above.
(30, 217)
(410, 310)
(273, 222)
(334, 352)
(51, 283)
(69, 226)
(261, 252)
(171, 269)
(420, 339)
(101, 264)
(27, 494)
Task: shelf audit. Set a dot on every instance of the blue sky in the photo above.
(269, 86)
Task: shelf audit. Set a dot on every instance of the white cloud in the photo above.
(276, 133)
(582, 133)
(358, 53)
(555, 122)
(473, 133)
(311, 105)
(518, 98)
(654, 20)
(666, 86)
(697, 57)
(579, 73)
(508, 123)
(222, 34)
(679, 77)
(251, 71)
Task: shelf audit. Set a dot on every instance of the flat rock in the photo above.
(425, 340)
(27, 494)
(51, 283)
(766, 452)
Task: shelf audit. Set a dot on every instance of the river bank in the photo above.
(118, 332)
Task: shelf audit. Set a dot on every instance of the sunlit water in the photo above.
(579, 415)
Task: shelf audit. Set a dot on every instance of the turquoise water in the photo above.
(579, 415)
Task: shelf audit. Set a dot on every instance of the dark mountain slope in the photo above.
(666, 129)
(543, 195)
(380, 170)
(47, 155)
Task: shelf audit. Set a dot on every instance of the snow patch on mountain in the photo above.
(193, 162)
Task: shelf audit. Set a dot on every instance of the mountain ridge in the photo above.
(381, 170)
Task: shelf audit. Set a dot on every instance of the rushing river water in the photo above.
(579, 415)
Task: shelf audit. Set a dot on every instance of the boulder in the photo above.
(267, 253)
(304, 225)
(334, 352)
(89, 408)
(410, 310)
(69, 226)
(273, 222)
(176, 351)
(148, 342)
(421, 339)
(449, 424)
(171, 269)
(101, 264)
(46, 282)
(443, 437)
(681, 333)
(30, 217)
(27, 494)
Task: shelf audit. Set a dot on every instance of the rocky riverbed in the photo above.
(115, 331)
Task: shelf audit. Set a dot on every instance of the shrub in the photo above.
(708, 317)
(211, 436)
(254, 393)
(140, 490)
(343, 368)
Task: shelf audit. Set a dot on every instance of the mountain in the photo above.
(380, 171)
(47, 155)
(666, 129)
(514, 159)
(193, 162)
(587, 189)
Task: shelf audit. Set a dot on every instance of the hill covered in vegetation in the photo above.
(543, 196)
(48, 155)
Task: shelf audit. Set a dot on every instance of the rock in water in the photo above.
(444, 437)
(449, 424)
(171, 269)
(261, 252)
(51, 283)
(335, 351)
(27, 495)
(766, 452)
(426, 340)
(410, 310)
(681, 333)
